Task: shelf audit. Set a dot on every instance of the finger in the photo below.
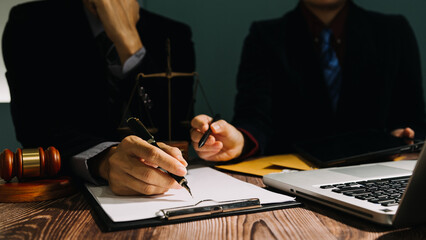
(211, 141)
(223, 129)
(201, 122)
(398, 132)
(122, 168)
(123, 190)
(153, 176)
(208, 151)
(134, 186)
(196, 135)
(217, 157)
(409, 133)
(174, 152)
(153, 155)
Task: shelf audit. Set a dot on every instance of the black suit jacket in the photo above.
(282, 97)
(57, 76)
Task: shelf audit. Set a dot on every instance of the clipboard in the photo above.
(185, 214)
(205, 209)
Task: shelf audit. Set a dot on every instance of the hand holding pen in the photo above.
(214, 139)
(208, 132)
(140, 130)
(131, 167)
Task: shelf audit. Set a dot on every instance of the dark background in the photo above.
(219, 28)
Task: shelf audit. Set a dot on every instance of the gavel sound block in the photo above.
(35, 170)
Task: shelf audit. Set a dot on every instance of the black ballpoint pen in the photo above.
(208, 132)
(140, 130)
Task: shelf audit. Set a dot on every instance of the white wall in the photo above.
(5, 6)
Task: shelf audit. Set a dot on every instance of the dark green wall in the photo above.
(219, 28)
(7, 132)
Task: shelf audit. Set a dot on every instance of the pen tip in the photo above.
(188, 189)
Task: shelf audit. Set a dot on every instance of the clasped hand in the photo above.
(119, 18)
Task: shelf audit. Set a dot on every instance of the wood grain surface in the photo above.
(71, 218)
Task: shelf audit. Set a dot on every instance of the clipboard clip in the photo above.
(209, 207)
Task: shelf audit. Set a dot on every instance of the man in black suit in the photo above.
(283, 91)
(70, 91)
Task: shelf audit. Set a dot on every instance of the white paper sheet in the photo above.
(205, 183)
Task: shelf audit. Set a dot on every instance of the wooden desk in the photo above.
(71, 218)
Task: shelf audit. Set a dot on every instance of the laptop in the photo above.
(389, 193)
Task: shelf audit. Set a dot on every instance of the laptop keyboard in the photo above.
(385, 191)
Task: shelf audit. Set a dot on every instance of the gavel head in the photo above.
(29, 163)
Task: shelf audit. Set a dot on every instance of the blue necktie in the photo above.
(330, 66)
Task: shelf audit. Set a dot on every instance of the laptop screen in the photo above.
(354, 147)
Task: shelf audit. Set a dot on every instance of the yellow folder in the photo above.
(271, 164)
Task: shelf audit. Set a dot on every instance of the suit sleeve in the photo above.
(408, 107)
(253, 103)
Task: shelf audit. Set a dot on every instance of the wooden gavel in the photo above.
(29, 163)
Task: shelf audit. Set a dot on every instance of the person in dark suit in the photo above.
(298, 82)
(70, 90)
